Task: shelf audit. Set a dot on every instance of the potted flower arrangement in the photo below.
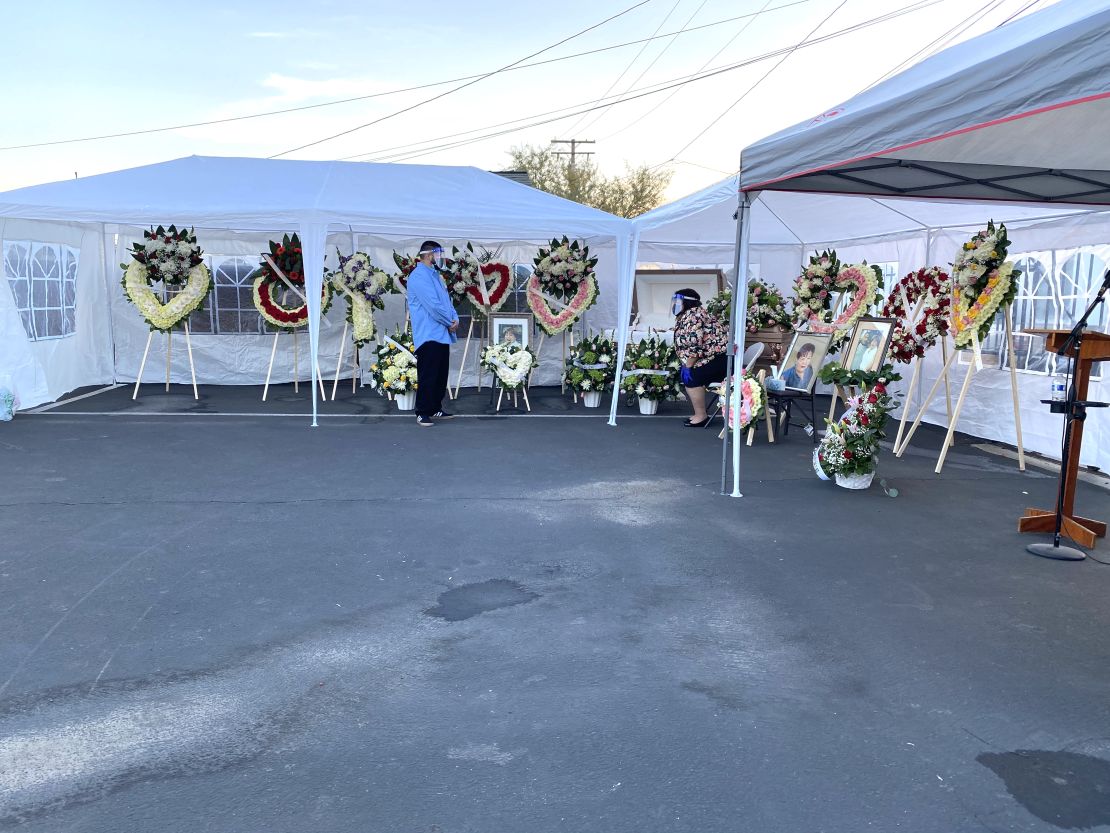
(651, 373)
(591, 368)
(510, 362)
(850, 448)
(394, 371)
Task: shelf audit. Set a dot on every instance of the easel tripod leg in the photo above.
(948, 439)
(142, 366)
(192, 367)
(270, 369)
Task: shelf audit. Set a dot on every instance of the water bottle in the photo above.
(1059, 386)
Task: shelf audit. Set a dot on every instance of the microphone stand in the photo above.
(1074, 410)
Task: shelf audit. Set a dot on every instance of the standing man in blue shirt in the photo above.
(434, 323)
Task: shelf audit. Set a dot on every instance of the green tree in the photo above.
(638, 190)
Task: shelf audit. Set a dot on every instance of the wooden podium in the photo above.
(1084, 531)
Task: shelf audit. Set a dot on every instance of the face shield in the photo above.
(437, 256)
(676, 302)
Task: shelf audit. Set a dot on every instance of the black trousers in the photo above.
(433, 361)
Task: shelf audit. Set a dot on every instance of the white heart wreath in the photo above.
(166, 316)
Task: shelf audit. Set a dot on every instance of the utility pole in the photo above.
(574, 152)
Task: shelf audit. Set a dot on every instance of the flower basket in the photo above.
(591, 398)
(854, 481)
(405, 401)
(592, 365)
(651, 370)
(648, 407)
(817, 467)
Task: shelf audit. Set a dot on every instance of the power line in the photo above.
(646, 69)
(761, 79)
(386, 93)
(574, 127)
(412, 150)
(1020, 11)
(940, 39)
(412, 107)
(717, 54)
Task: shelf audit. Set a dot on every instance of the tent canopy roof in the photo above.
(270, 194)
(781, 217)
(1014, 114)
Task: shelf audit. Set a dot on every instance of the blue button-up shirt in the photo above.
(430, 307)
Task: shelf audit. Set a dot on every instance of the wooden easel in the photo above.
(1084, 531)
(296, 368)
(356, 368)
(972, 368)
(169, 353)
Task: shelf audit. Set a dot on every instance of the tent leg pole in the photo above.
(736, 345)
(948, 439)
(142, 366)
(1014, 387)
(339, 361)
(192, 367)
(270, 369)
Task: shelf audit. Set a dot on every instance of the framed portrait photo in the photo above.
(512, 328)
(654, 289)
(803, 359)
(870, 342)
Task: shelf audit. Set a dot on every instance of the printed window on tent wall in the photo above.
(43, 280)
(890, 278)
(231, 305)
(1053, 292)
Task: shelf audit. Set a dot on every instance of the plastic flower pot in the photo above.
(854, 481)
(405, 401)
(591, 398)
(648, 407)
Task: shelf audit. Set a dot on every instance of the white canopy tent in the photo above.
(699, 231)
(1011, 115)
(251, 199)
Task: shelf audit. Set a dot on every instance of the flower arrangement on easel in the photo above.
(984, 283)
(278, 294)
(393, 373)
(364, 288)
(563, 277)
(511, 364)
(651, 369)
(830, 297)
(173, 258)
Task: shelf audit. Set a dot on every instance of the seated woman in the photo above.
(701, 341)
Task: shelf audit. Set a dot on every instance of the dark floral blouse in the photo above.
(700, 335)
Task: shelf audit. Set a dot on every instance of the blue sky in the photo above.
(74, 69)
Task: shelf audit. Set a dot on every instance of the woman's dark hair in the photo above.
(806, 349)
(687, 304)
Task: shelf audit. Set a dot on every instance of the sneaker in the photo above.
(424, 421)
(442, 415)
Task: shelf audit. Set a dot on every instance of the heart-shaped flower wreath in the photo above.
(819, 286)
(173, 258)
(563, 285)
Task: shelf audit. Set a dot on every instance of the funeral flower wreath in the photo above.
(563, 277)
(984, 283)
(364, 286)
(467, 273)
(170, 256)
(292, 310)
(510, 362)
(821, 283)
(751, 398)
(931, 290)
